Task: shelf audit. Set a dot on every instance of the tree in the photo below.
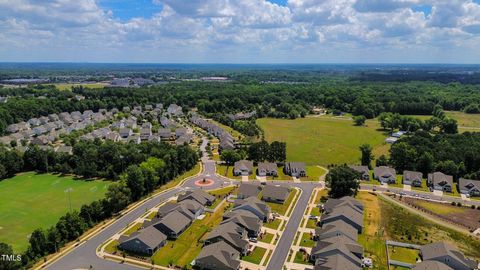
(259, 151)
(403, 156)
(117, 197)
(381, 161)
(135, 181)
(449, 126)
(359, 120)
(367, 155)
(230, 156)
(38, 244)
(448, 167)
(278, 151)
(6, 249)
(342, 181)
(425, 163)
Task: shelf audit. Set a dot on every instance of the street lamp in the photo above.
(67, 191)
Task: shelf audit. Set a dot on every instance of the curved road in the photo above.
(84, 256)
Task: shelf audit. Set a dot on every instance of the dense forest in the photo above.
(453, 154)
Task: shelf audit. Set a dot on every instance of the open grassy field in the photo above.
(324, 140)
(466, 122)
(29, 201)
(68, 86)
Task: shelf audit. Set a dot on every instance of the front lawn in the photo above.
(301, 258)
(132, 229)
(273, 224)
(267, 238)
(314, 173)
(402, 254)
(255, 256)
(220, 194)
(311, 224)
(306, 240)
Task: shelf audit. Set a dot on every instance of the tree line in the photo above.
(257, 152)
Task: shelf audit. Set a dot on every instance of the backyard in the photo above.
(29, 201)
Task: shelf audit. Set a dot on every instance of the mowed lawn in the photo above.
(324, 140)
(29, 201)
(466, 121)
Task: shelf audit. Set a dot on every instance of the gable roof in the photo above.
(198, 195)
(441, 179)
(341, 245)
(222, 253)
(232, 233)
(243, 165)
(254, 203)
(337, 227)
(244, 218)
(150, 236)
(329, 205)
(412, 175)
(345, 211)
(249, 190)
(335, 262)
(275, 192)
(384, 171)
(431, 265)
(439, 249)
(360, 169)
(468, 184)
(267, 167)
(175, 221)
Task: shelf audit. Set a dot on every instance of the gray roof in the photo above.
(222, 253)
(254, 203)
(440, 249)
(232, 233)
(267, 167)
(360, 169)
(198, 195)
(175, 221)
(384, 171)
(431, 265)
(340, 245)
(249, 190)
(244, 218)
(295, 167)
(243, 165)
(347, 200)
(468, 184)
(412, 175)
(441, 179)
(344, 211)
(150, 236)
(275, 192)
(335, 262)
(337, 227)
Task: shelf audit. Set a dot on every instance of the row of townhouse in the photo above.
(227, 142)
(436, 180)
(245, 168)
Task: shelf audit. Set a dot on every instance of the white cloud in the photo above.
(231, 30)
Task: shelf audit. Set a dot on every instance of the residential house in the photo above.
(125, 132)
(145, 241)
(275, 194)
(362, 170)
(243, 167)
(336, 228)
(338, 245)
(345, 213)
(412, 178)
(198, 195)
(135, 138)
(336, 262)
(440, 181)
(145, 133)
(446, 253)
(113, 136)
(248, 190)
(232, 234)
(173, 224)
(218, 256)
(469, 187)
(431, 265)
(385, 174)
(165, 133)
(180, 132)
(267, 169)
(174, 110)
(254, 205)
(33, 122)
(295, 169)
(189, 208)
(331, 204)
(246, 219)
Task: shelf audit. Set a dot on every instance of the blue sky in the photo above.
(243, 31)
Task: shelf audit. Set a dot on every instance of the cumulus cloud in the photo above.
(219, 30)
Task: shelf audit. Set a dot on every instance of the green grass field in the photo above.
(466, 122)
(255, 256)
(29, 201)
(68, 86)
(324, 140)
